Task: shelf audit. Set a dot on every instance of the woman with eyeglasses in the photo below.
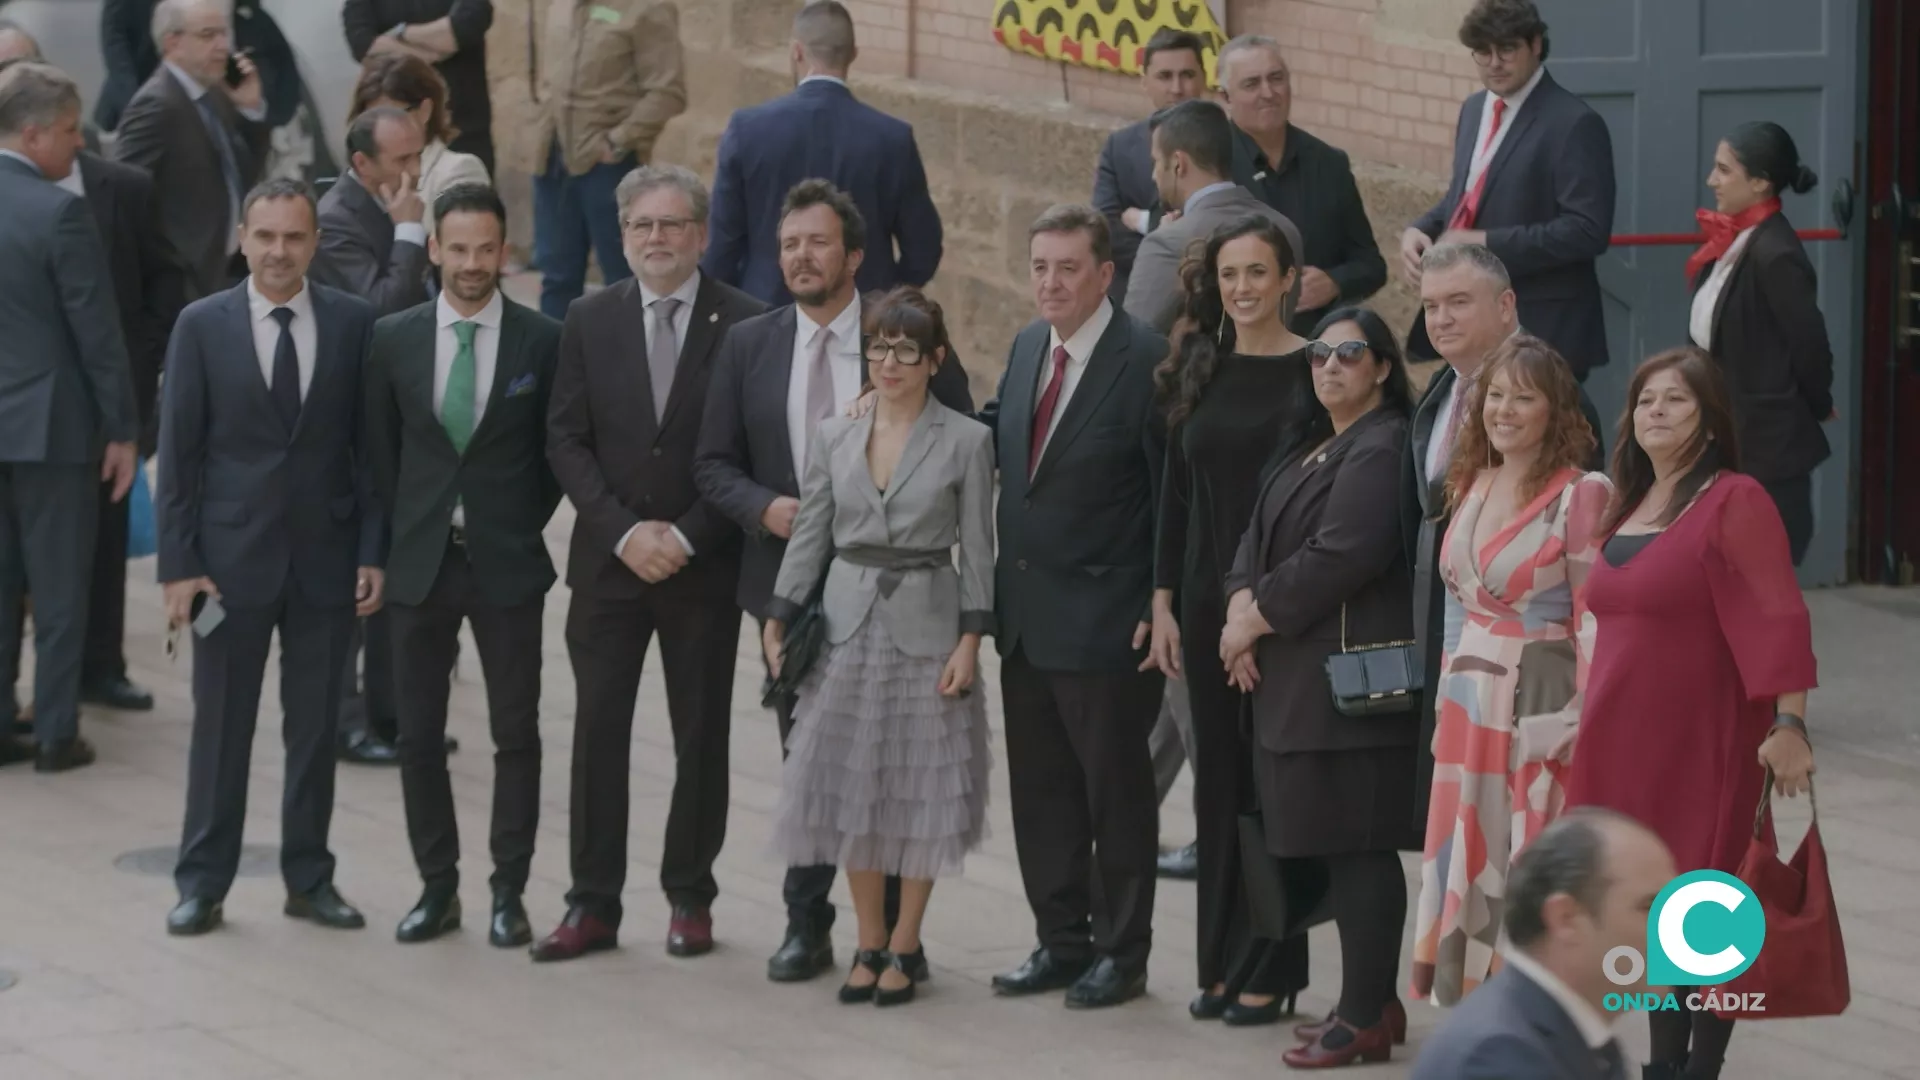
(1321, 569)
(1523, 534)
(887, 763)
(1235, 382)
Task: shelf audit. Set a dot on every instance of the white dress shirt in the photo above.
(1079, 352)
(835, 79)
(1700, 322)
(847, 363)
(1593, 1026)
(266, 332)
(1483, 153)
(486, 356)
(194, 93)
(73, 181)
(682, 319)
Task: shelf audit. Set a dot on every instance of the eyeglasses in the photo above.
(905, 352)
(1506, 51)
(671, 228)
(1347, 352)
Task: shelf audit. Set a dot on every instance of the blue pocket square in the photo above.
(522, 385)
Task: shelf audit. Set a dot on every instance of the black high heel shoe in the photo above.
(1207, 1006)
(874, 960)
(914, 966)
(1237, 1015)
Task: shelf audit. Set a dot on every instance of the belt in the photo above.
(895, 563)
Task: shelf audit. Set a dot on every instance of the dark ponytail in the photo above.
(1767, 152)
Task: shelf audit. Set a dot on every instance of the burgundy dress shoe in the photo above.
(1394, 1016)
(1342, 1044)
(691, 931)
(576, 936)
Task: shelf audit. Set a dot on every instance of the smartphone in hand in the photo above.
(235, 76)
(207, 614)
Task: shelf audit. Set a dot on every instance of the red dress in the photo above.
(1698, 634)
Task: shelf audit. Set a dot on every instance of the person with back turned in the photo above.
(267, 522)
(457, 394)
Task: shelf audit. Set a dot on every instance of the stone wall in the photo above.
(995, 160)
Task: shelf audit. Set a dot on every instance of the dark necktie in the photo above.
(223, 145)
(1043, 412)
(285, 389)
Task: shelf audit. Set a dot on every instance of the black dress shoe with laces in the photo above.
(1042, 972)
(323, 904)
(117, 692)
(508, 928)
(1106, 984)
(437, 913)
(63, 756)
(804, 954)
(193, 916)
(1180, 864)
(366, 748)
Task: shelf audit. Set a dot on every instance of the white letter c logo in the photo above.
(1673, 936)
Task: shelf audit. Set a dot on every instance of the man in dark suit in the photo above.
(1532, 181)
(67, 415)
(776, 376)
(1123, 185)
(820, 130)
(267, 522)
(449, 34)
(1080, 442)
(649, 555)
(457, 395)
(1580, 890)
(127, 46)
(203, 141)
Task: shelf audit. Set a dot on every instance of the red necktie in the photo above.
(1469, 207)
(1043, 412)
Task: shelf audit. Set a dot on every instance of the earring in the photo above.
(1220, 332)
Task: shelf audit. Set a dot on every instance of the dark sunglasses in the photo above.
(1348, 352)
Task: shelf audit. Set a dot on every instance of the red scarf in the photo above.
(1721, 229)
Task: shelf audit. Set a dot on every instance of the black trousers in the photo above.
(425, 639)
(228, 666)
(607, 639)
(105, 657)
(369, 701)
(1086, 823)
(48, 514)
(1794, 499)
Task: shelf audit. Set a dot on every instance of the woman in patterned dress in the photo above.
(1515, 561)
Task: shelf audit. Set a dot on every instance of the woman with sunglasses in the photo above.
(1523, 534)
(887, 763)
(1322, 568)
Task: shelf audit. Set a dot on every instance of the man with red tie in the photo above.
(1532, 181)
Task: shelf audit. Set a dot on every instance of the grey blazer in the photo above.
(890, 552)
(1512, 1029)
(1155, 293)
(359, 256)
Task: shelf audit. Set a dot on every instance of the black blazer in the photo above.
(1123, 180)
(162, 133)
(745, 459)
(1313, 186)
(504, 487)
(1075, 572)
(148, 283)
(469, 98)
(620, 465)
(1771, 341)
(359, 255)
(1547, 209)
(126, 44)
(240, 498)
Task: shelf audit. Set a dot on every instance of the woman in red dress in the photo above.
(1704, 656)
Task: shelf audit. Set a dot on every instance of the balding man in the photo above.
(821, 131)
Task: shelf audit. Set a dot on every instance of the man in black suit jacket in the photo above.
(373, 236)
(1123, 186)
(203, 142)
(1532, 181)
(649, 554)
(457, 393)
(751, 453)
(267, 519)
(1080, 443)
(126, 44)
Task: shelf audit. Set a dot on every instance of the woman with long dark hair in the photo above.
(1754, 311)
(1700, 675)
(1236, 382)
(408, 83)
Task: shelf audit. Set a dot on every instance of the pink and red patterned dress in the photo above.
(1513, 663)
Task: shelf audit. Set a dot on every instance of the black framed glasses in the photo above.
(1347, 352)
(905, 352)
(1505, 50)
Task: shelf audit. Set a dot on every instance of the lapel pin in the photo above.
(714, 317)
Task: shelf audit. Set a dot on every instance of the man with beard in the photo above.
(457, 393)
(649, 555)
(778, 375)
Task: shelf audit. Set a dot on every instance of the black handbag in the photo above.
(1284, 896)
(1375, 680)
(800, 650)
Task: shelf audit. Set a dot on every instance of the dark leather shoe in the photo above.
(1394, 1015)
(13, 750)
(1348, 1044)
(804, 954)
(366, 748)
(193, 916)
(1042, 972)
(576, 936)
(63, 756)
(118, 692)
(1238, 1014)
(508, 928)
(1207, 1006)
(690, 933)
(1106, 983)
(1181, 864)
(437, 913)
(875, 961)
(323, 904)
(913, 965)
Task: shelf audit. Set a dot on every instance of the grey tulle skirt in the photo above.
(883, 773)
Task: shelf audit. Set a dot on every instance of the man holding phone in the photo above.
(267, 522)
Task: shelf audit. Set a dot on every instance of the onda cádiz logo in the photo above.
(1705, 928)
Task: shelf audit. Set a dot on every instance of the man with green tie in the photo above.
(457, 404)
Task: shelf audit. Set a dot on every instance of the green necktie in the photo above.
(456, 407)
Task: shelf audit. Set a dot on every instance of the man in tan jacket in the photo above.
(610, 77)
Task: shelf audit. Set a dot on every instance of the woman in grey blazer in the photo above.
(887, 762)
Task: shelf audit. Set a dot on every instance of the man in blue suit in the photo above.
(267, 522)
(820, 131)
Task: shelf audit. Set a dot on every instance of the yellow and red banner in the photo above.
(1107, 35)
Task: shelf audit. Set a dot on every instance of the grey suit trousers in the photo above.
(48, 517)
(1171, 742)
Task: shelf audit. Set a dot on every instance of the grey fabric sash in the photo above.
(895, 563)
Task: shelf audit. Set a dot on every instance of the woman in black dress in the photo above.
(1320, 569)
(1236, 380)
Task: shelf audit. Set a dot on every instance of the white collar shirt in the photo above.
(1707, 300)
(688, 291)
(486, 357)
(266, 332)
(1079, 353)
(1483, 154)
(1592, 1025)
(846, 362)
